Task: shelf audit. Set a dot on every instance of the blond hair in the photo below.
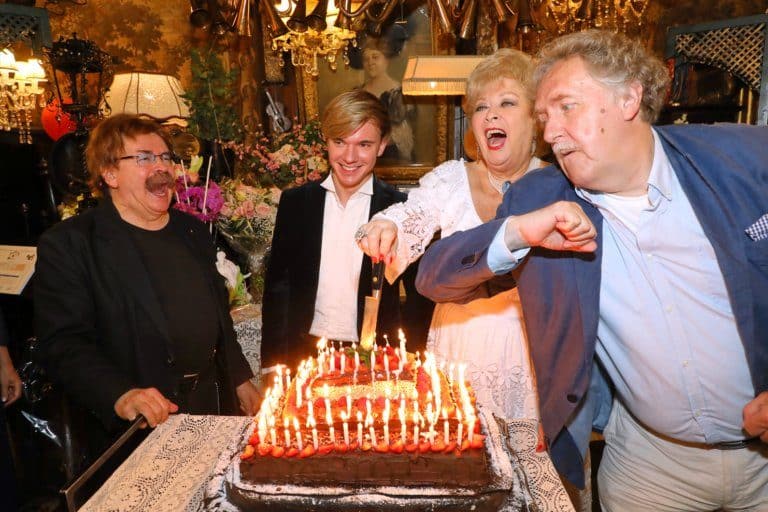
(504, 63)
(614, 60)
(350, 110)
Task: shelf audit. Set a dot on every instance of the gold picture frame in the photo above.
(430, 124)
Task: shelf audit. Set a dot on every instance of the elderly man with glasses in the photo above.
(131, 315)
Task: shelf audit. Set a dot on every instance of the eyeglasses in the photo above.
(146, 158)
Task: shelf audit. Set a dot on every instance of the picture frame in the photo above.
(426, 117)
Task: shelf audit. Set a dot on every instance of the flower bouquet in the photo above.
(244, 214)
(290, 159)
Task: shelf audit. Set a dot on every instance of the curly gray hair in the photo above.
(614, 60)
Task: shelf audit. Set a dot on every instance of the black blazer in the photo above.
(291, 281)
(101, 330)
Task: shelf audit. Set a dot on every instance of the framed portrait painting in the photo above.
(418, 140)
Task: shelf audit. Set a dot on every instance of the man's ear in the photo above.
(631, 100)
(109, 176)
(383, 145)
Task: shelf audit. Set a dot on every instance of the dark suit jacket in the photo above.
(101, 330)
(291, 281)
(724, 172)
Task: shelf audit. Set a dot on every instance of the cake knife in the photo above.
(371, 311)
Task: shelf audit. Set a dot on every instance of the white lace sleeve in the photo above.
(423, 213)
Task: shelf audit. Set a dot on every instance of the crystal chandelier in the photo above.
(22, 86)
(322, 34)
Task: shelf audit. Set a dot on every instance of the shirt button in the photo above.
(669, 309)
(685, 364)
(649, 256)
(697, 413)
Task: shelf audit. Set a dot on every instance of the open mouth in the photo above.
(159, 183)
(495, 138)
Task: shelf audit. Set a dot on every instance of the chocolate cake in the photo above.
(351, 424)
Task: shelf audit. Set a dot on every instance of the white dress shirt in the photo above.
(340, 262)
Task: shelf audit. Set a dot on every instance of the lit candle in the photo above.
(401, 415)
(310, 406)
(313, 424)
(299, 384)
(461, 427)
(386, 422)
(415, 426)
(272, 431)
(445, 426)
(329, 421)
(262, 427)
(470, 428)
(357, 357)
(287, 378)
(298, 434)
(359, 428)
(349, 402)
(286, 433)
(343, 362)
(344, 418)
(326, 394)
(401, 337)
(368, 406)
(372, 433)
(332, 360)
(373, 364)
(386, 366)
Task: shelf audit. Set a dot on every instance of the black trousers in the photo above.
(8, 483)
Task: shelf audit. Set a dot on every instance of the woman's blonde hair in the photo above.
(350, 110)
(614, 60)
(505, 63)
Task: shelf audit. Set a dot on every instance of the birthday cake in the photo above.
(358, 430)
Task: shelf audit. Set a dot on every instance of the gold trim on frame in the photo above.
(396, 175)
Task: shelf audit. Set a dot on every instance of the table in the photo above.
(169, 471)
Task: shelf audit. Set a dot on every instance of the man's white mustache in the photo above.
(564, 147)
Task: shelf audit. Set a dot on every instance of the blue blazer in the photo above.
(724, 172)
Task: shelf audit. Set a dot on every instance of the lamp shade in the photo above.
(148, 94)
(427, 75)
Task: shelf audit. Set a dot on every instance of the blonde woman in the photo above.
(486, 333)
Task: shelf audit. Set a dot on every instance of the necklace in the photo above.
(496, 183)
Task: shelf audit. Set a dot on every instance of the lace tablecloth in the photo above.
(247, 323)
(169, 470)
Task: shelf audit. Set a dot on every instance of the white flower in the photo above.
(227, 269)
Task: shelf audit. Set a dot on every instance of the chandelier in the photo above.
(22, 86)
(322, 34)
(535, 21)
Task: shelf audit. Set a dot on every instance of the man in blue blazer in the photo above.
(647, 252)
